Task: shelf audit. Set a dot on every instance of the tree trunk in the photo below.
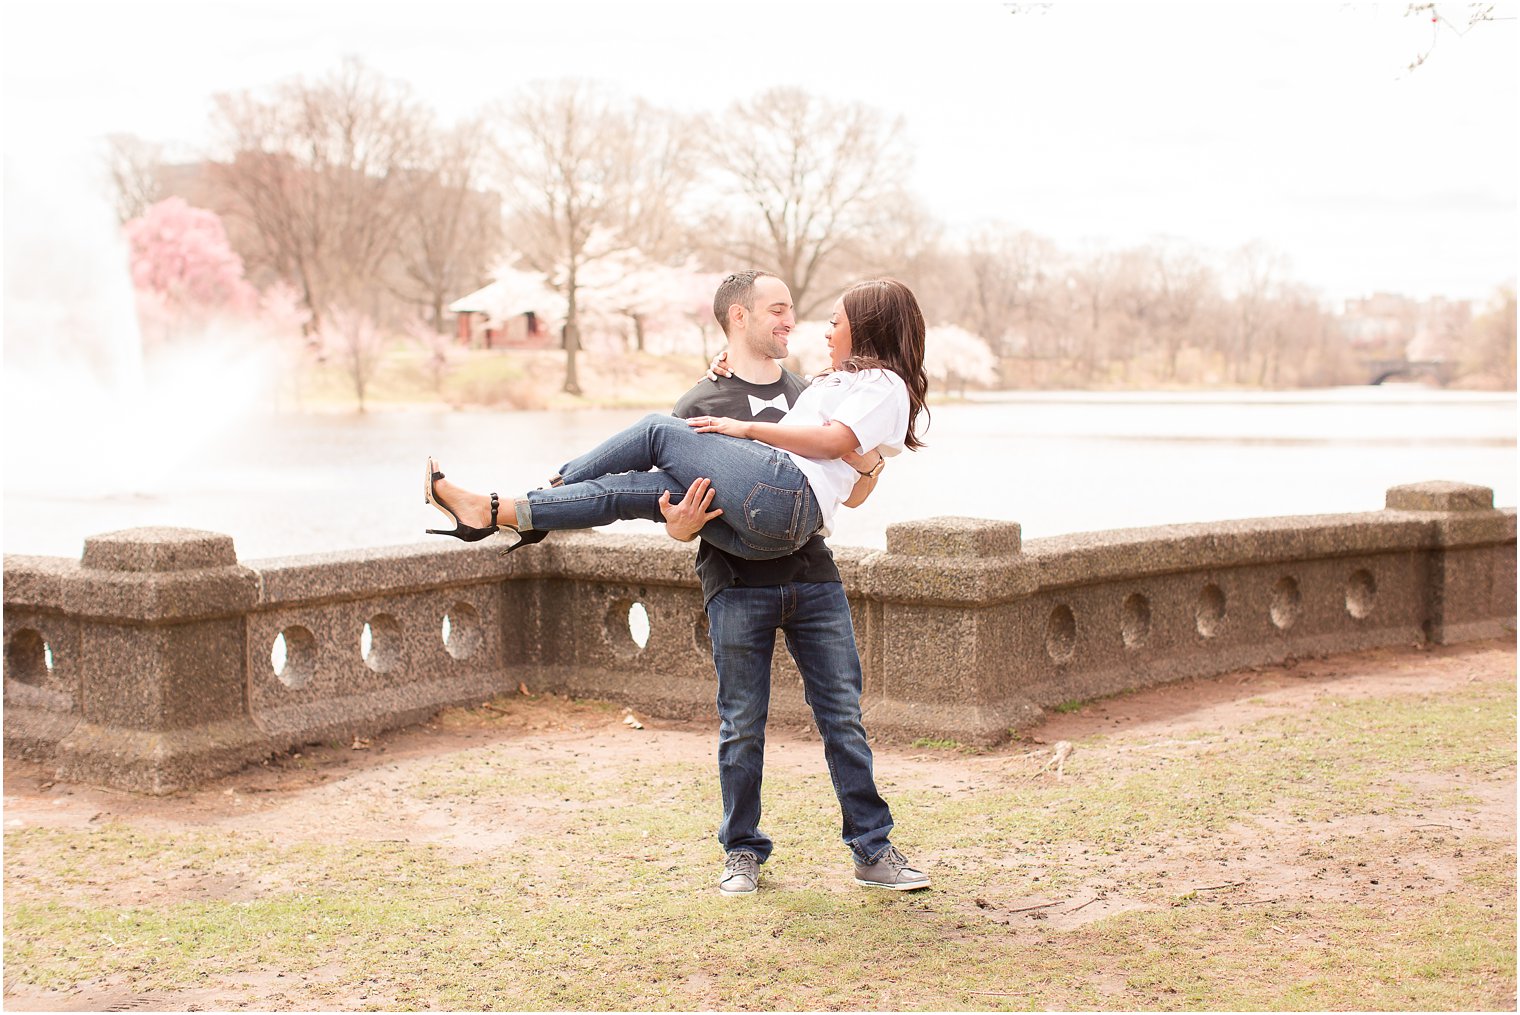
(572, 335)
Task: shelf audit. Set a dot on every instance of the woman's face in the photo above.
(838, 335)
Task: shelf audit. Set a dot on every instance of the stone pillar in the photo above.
(144, 641)
(941, 643)
(1471, 585)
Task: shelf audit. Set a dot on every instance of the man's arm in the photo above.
(684, 521)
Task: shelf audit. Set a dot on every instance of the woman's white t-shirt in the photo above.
(872, 403)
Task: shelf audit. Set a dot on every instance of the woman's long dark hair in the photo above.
(887, 333)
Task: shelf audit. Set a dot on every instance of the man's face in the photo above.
(767, 326)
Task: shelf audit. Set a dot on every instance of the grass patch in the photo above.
(1346, 759)
(610, 905)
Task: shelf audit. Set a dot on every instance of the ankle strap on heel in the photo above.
(495, 505)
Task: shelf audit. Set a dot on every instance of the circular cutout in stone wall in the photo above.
(380, 643)
(1136, 622)
(293, 656)
(461, 631)
(1361, 594)
(28, 657)
(1285, 603)
(1061, 634)
(618, 626)
(638, 624)
(1209, 616)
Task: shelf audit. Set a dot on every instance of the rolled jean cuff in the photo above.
(524, 513)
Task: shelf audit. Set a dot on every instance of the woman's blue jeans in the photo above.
(768, 506)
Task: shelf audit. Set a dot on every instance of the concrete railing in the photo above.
(159, 659)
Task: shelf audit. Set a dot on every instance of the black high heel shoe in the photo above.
(470, 533)
(524, 538)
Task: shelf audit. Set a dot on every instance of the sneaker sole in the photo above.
(907, 887)
(747, 891)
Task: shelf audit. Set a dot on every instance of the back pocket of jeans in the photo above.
(771, 511)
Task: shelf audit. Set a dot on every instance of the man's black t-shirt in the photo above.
(739, 399)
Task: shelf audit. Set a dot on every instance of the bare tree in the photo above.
(1475, 14)
(134, 166)
(451, 227)
(1091, 283)
(1302, 346)
(1256, 275)
(1488, 348)
(589, 177)
(1008, 273)
(814, 172)
(905, 242)
(319, 171)
(1181, 283)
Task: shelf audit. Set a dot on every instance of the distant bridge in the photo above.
(1439, 370)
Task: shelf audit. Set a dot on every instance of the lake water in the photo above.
(1057, 462)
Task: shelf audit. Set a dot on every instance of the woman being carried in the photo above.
(773, 485)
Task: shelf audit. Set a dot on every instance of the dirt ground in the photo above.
(357, 788)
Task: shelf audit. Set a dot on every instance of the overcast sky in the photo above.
(1217, 124)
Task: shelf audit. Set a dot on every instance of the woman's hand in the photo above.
(684, 520)
(865, 483)
(720, 424)
(862, 463)
(719, 367)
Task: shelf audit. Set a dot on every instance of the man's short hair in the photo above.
(737, 288)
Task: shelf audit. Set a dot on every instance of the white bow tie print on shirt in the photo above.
(759, 405)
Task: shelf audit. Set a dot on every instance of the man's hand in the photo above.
(719, 367)
(684, 520)
(720, 424)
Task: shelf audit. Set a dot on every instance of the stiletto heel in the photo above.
(524, 538)
(468, 533)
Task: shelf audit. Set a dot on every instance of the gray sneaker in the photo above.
(741, 873)
(890, 870)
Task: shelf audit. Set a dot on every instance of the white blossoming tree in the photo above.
(954, 356)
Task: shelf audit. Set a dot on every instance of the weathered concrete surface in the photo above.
(130, 663)
(158, 659)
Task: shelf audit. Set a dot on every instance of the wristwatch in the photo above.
(875, 470)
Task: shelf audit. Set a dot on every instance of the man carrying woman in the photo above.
(761, 496)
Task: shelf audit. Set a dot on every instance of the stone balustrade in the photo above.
(158, 659)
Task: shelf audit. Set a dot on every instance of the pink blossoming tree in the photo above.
(185, 271)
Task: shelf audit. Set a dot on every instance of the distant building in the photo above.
(517, 311)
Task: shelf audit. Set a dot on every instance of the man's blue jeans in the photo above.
(768, 506)
(815, 617)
